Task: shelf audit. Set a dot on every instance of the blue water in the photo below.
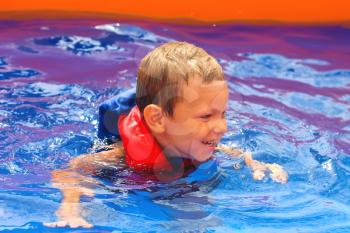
(289, 104)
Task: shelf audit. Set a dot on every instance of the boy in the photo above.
(177, 123)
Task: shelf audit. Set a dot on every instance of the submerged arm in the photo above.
(259, 168)
(73, 181)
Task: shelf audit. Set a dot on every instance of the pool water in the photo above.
(289, 104)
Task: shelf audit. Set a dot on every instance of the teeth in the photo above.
(211, 143)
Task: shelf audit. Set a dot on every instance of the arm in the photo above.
(259, 168)
(71, 183)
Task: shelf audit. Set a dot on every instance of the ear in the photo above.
(154, 118)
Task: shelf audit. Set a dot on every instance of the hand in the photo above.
(69, 211)
(258, 169)
(277, 173)
(72, 222)
(69, 216)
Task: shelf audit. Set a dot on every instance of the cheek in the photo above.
(185, 128)
(194, 140)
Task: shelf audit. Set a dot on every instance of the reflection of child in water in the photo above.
(177, 123)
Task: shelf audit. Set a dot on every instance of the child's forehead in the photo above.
(203, 97)
(195, 88)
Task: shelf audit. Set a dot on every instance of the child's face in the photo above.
(198, 122)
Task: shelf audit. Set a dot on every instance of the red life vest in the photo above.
(143, 153)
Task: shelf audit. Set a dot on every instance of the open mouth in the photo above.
(210, 143)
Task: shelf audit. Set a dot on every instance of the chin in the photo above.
(202, 158)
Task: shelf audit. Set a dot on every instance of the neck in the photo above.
(166, 146)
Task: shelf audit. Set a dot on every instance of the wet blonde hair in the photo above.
(165, 69)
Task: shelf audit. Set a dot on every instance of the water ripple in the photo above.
(10, 73)
(132, 32)
(279, 66)
(284, 107)
(77, 44)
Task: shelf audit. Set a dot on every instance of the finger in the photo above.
(258, 175)
(49, 224)
(284, 178)
(274, 167)
(280, 177)
(56, 224)
(61, 224)
(74, 225)
(81, 223)
(88, 225)
(256, 165)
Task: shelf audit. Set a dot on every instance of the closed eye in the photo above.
(206, 116)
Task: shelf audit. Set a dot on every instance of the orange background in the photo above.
(296, 11)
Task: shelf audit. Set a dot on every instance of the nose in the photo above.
(220, 126)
